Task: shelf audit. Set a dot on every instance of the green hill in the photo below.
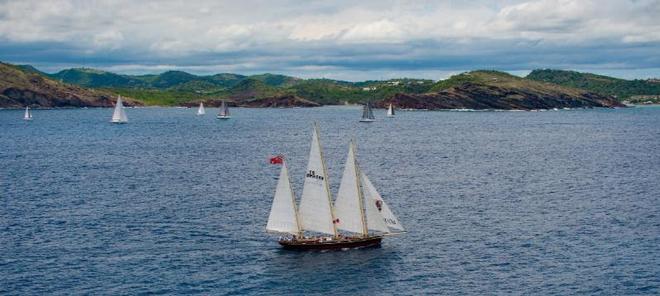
(251, 88)
(502, 79)
(486, 89)
(481, 89)
(620, 88)
(276, 80)
(177, 87)
(172, 78)
(96, 78)
(226, 80)
(22, 86)
(30, 69)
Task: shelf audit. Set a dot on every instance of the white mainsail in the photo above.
(316, 213)
(119, 116)
(375, 201)
(201, 110)
(28, 114)
(390, 111)
(283, 216)
(348, 206)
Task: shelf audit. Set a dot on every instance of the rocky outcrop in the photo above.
(279, 102)
(19, 88)
(283, 101)
(482, 97)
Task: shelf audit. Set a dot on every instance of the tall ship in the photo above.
(359, 217)
(224, 111)
(367, 113)
(119, 115)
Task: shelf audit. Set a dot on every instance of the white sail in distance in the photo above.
(283, 214)
(367, 113)
(375, 201)
(224, 111)
(119, 116)
(349, 204)
(201, 110)
(390, 111)
(28, 114)
(316, 213)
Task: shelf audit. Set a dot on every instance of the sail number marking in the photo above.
(389, 221)
(313, 175)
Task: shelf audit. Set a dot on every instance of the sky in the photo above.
(348, 40)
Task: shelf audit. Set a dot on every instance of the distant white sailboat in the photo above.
(201, 110)
(224, 111)
(119, 116)
(359, 210)
(367, 113)
(390, 111)
(28, 114)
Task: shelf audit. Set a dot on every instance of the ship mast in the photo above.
(365, 229)
(327, 186)
(295, 207)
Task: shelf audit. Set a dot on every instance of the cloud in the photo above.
(344, 39)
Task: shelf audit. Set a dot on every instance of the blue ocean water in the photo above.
(541, 203)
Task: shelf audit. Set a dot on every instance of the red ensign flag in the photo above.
(277, 159)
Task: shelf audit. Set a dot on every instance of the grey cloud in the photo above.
(342, 39)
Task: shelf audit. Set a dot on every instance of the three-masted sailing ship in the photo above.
(224, 111)
(367, 113)
(119, 115)
(358, 217)
(390, 111)
(201, 110)
(28, 114)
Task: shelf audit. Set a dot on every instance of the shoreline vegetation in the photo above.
(24, 85)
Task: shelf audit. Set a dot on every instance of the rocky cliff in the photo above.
(481, 90)
(280, 102)
(20, 88)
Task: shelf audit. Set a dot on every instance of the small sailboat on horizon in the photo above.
(367, 113)
(119, 115)
(359, 210)
(28, 114)
(390, 111)
(201, 110)
(224, 111)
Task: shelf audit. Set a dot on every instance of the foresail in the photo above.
(315, 208)
(119, 115)
(372, 197)
(375, 220)
(348, 210)
(282, 216)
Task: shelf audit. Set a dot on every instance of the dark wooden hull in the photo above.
(345, 243)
